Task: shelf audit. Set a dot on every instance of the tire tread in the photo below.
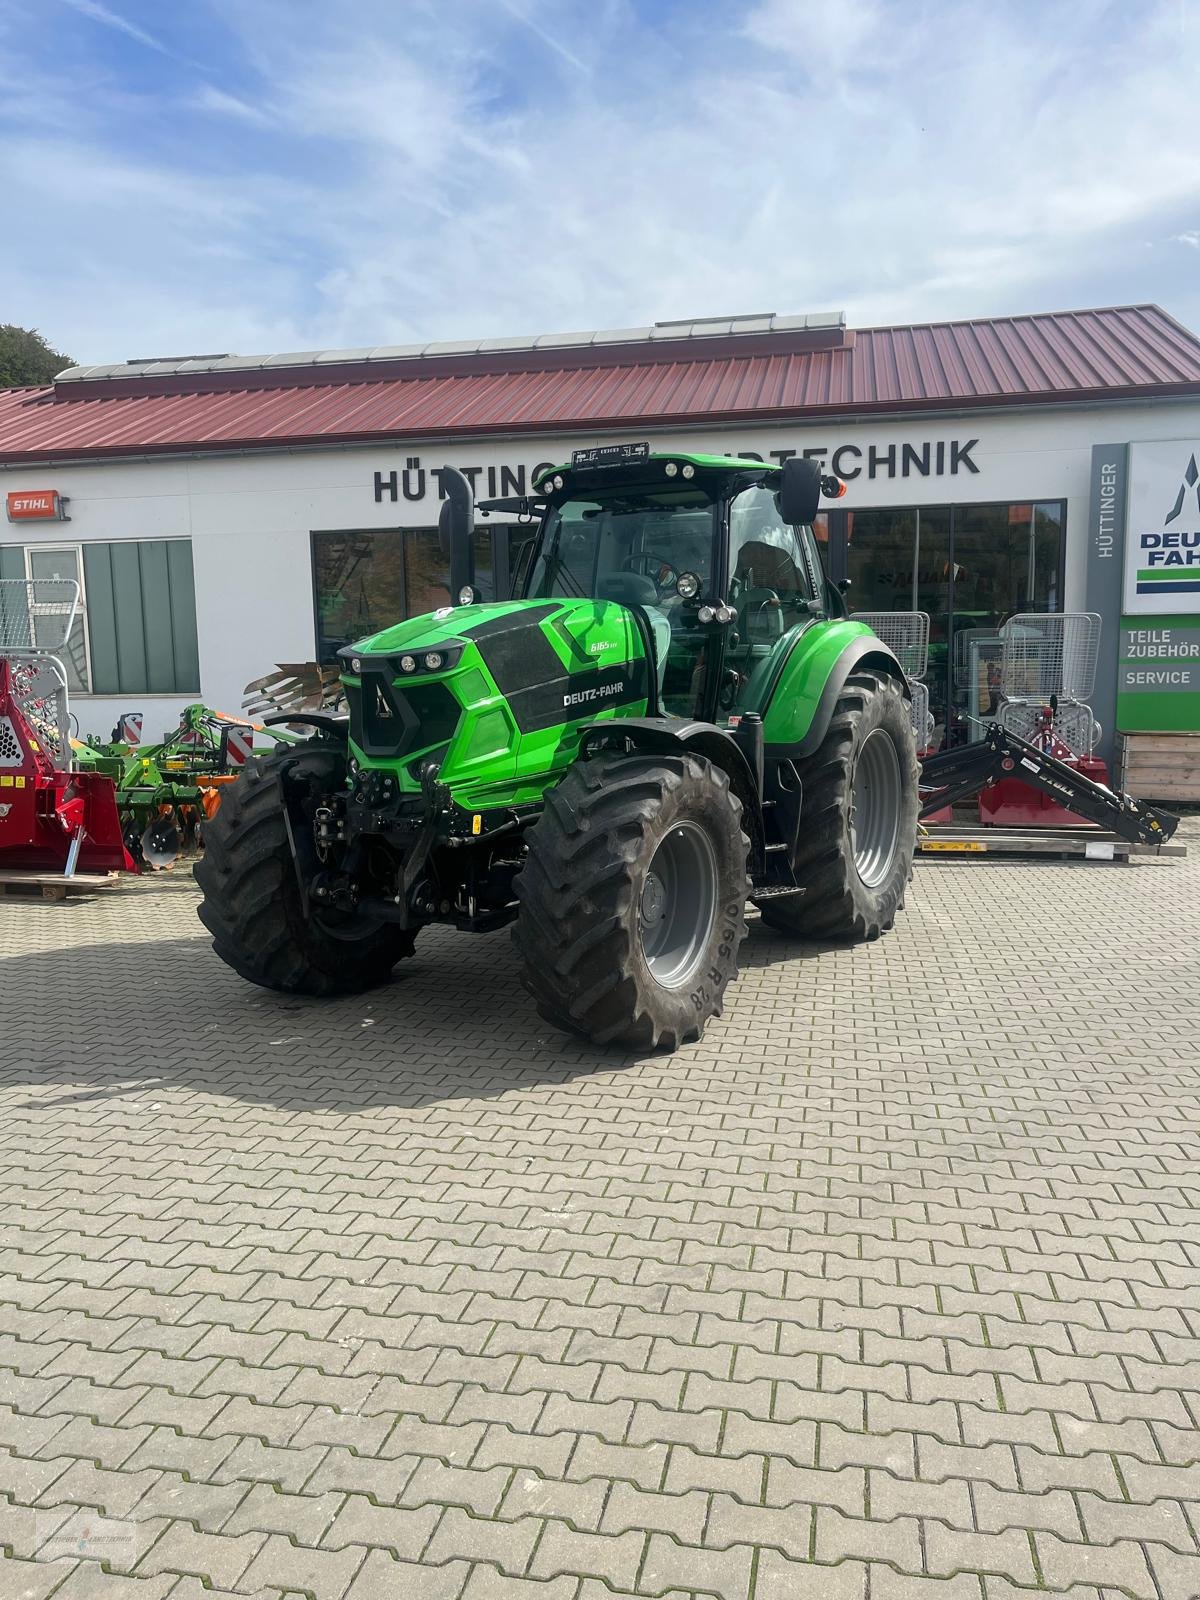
(251, 904)
(577, 897)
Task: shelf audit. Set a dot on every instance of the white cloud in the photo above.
(549, 39)
(827, 37)
(111, 19)
(209, 98)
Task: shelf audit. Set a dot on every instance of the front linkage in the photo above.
(408, 859)
(953, 775)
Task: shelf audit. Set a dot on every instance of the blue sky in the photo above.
(185, 176)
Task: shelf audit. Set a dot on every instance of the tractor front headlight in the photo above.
(438, 658)
(688, 470)
(671, 468)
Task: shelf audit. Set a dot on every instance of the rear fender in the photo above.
(802, 700)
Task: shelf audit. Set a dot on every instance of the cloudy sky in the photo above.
(184, 176)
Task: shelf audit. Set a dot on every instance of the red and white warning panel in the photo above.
(239, 746)
(129, 729)
(36, 505)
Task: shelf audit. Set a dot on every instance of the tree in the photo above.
(25, 357)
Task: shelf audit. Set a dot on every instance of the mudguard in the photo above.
(798, 704)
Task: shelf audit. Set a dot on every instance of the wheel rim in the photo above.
(875, 808)
(678, 905)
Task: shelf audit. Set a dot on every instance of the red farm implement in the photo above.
(53, 819)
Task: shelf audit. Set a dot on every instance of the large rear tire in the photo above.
(633, 900)
(858, 826)
(252, 904)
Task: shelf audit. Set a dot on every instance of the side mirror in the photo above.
(800, 494)
(456, 531)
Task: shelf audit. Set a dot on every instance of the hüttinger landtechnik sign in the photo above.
(1162, 542)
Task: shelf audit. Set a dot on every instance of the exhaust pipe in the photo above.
(456, 535)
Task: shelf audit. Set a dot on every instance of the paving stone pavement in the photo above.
(885, 1291)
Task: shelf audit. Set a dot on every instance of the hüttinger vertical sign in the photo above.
(1105, 557)
(1162, 545)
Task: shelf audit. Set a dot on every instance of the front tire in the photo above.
(858, 825)
(633, 900)
(252, 904)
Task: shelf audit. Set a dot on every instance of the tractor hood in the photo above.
(433, 628)
(570, 636)
(494, 691)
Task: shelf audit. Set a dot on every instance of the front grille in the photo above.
(393, 722)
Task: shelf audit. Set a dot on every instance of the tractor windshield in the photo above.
(630, 544)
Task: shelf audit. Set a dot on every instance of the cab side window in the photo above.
(771, 577)
(816, 566)
(764, 552)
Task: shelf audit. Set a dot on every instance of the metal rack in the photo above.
(1049, 653)
(977, 653)
(922, 716)
(906, 634)
(1073, 723)
(1048, 659)
(36, 618)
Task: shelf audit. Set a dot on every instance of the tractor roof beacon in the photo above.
(676, 717)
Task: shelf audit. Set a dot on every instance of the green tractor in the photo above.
(677, 717)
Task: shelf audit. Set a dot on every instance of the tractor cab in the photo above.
(715, 553)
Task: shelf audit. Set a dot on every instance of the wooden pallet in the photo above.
(53, 886)
(1064, 844)
(1159, 766)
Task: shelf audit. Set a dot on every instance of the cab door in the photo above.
(776, 585)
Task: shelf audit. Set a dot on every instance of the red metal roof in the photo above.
(1124, 352)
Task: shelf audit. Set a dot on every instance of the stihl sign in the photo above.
(36, 505)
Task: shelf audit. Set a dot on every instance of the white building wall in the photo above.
(249, 517)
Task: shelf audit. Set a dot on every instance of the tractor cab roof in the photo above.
(625, 465)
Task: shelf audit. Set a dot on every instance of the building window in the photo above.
(427, 572)
(358, 585)
(135, 631)
(366, 579)
(970, 568)
(59, 564)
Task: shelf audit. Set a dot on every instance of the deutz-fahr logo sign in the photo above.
(1187, 488)
(1162, 555)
